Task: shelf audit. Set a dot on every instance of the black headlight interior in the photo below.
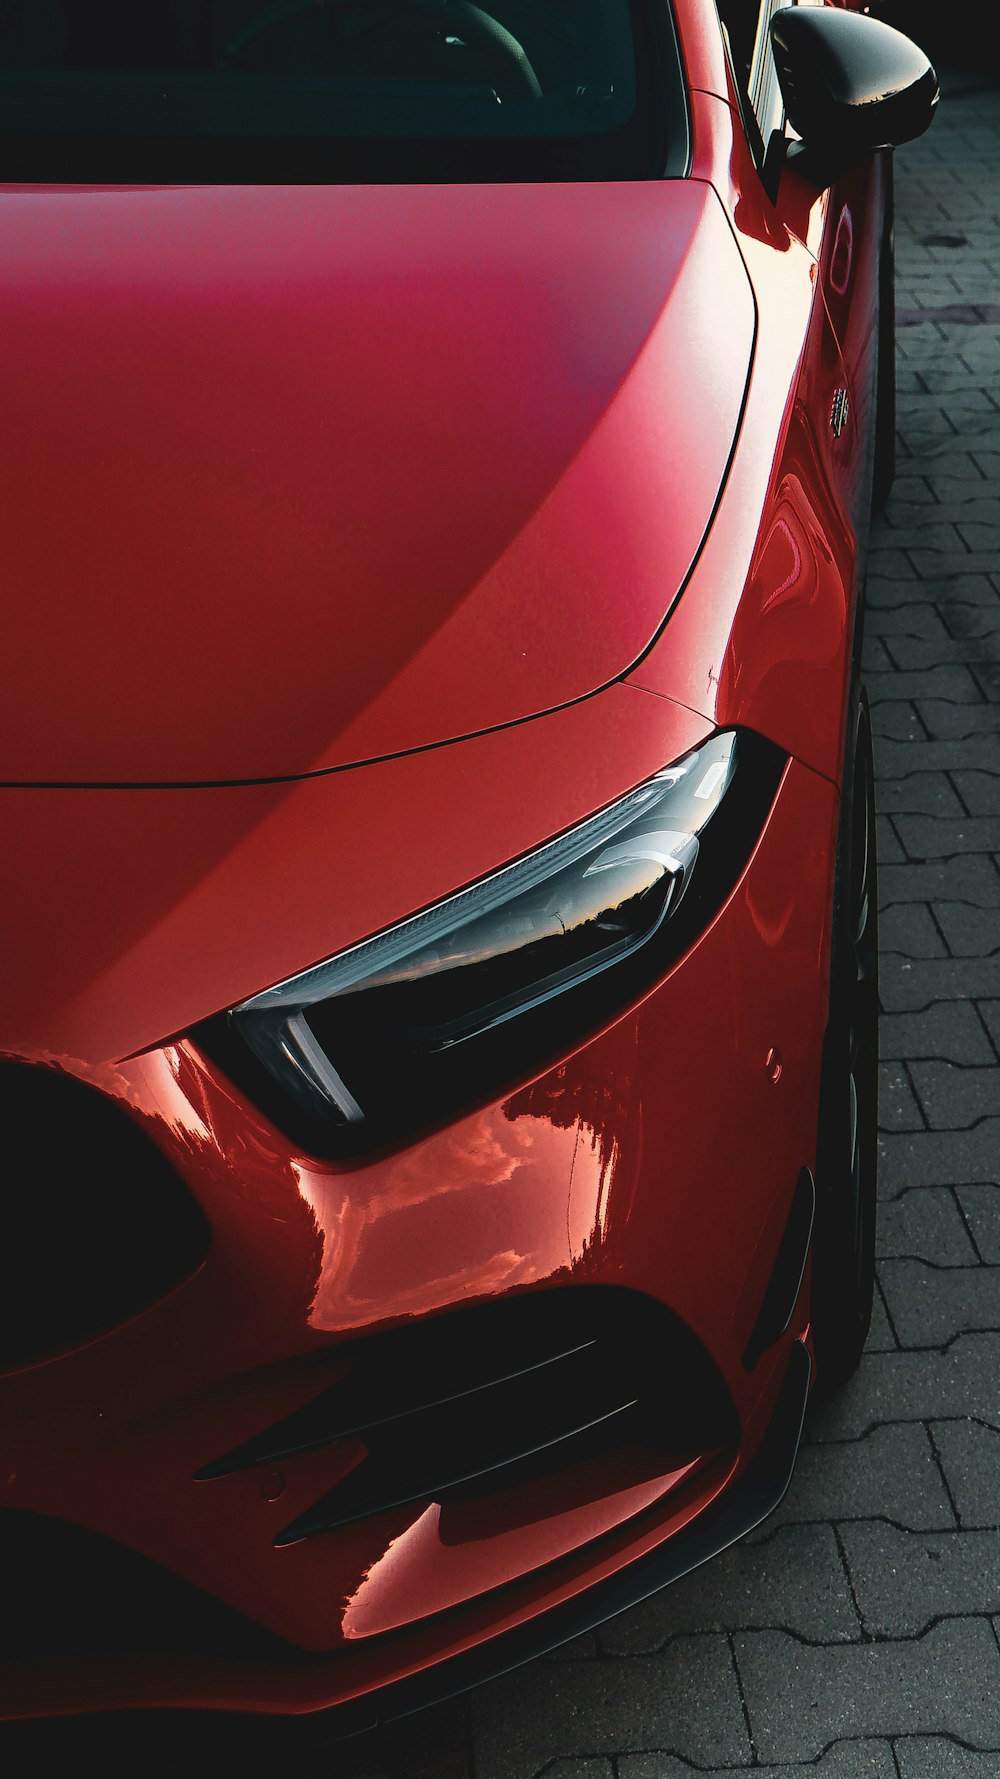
(481, 988)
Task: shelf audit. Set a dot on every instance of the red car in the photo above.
(439, 1016)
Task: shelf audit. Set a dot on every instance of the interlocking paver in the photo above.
(953, 1097)
(930, 1305)
(970, 1456)
(908, 984)
(904, 1581)
(937, 1757)
(794, 1579)
(891, 1470)
(972, 880)
(848, 1760)
(800, 1699)
(963, 1379)
(898, 1107)
(950, 1030)
(944, 718)
(990, 1011)
(981, 1210)
(980, 791)
(925, 1223)
(969, 931)
(685, 1701)
(909, 929)
(897, 759)
(936, 836)
(940, 1158)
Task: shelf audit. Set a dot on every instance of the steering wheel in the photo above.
(476, 26)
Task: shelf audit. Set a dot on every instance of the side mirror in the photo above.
(850, 84)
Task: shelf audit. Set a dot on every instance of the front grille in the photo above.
(96, 1225)
(477, 1401)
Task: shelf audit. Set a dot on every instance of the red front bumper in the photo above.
(661, 1157)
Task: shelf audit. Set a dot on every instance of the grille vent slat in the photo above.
(477, 1400)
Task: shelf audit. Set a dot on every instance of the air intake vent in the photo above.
(96, 1226)
(474, 1402)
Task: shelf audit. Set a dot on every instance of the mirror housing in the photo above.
(850, 84)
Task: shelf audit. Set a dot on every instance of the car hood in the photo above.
(296, 478)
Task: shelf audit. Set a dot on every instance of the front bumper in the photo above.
(662, 1157)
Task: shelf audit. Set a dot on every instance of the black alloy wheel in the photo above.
(847, 1157)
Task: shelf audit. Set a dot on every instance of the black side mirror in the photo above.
(850, 84)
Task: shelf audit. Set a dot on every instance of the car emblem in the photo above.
(838, 413)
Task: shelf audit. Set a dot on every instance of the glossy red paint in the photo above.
(559, 1183)
(420, 439)
(240, 554)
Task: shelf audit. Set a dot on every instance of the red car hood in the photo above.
(291, 478)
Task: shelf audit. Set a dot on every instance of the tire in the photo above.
(884, 471)
(847, 1151)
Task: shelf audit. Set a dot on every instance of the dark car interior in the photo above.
(209, 79)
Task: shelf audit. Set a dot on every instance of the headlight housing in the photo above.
(389, 1033)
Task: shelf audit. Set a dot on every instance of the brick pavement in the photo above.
(857, 1635)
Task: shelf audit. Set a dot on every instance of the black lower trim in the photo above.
(785, 1283)
(756, 1494)
(752, 1497)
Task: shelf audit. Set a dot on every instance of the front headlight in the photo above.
(387, 1033)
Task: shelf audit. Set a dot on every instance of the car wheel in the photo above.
(847, 1157)
(884, 472)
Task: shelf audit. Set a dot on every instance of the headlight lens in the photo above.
(383, 1033)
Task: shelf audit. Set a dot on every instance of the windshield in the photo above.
(317, 90)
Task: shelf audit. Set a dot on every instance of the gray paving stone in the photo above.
(953, 683)
(793, 1579)
(973, 620)
(936, 1757)
(915, 652)
(969, 931)
(876, 657)
(981, 1207)
(970, 1455)
(685, 1701)
(895, 759)
(972, 879)
(885, 594)
(925, 1224)
(920, 793)
(800, 1699)
(980, 791)
(962, 1379)
(898, 1108)
(931, 836)
(910, 983)
(990, 1011)
(987, 677)
(890, 850)
(930, 1305)
(909, 929)
(949, 1030)
(945, 718)
(940, 1158)
(906, 1580)
(911, 619)
(848, 1760)
(881, 1338)
(578, 1769)
(897, 722)
(890, 1471)
(954, 1097)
